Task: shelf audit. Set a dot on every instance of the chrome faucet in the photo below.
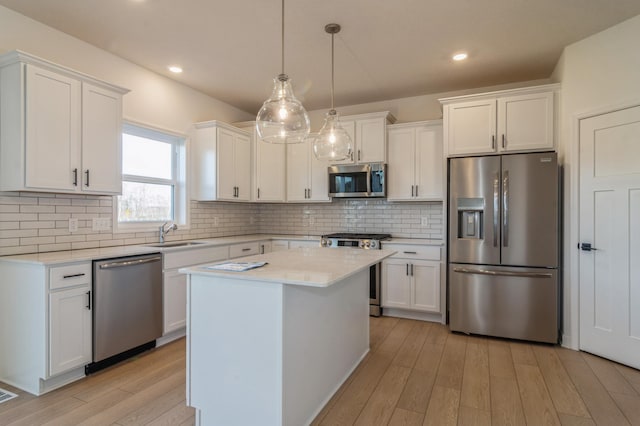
(164, 231)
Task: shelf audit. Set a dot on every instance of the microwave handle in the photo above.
(368, 179)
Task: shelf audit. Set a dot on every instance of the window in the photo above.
(153, 179)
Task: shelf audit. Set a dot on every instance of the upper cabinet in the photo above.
(307, 179)
(416, 163)
(270, 170)
(60, 131)
(368, 134)
(507, 121)
(220, 163)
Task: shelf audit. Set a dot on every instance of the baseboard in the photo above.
(415, 315)
(61, 380)
(171, 336)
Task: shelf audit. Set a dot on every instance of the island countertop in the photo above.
(309, 266)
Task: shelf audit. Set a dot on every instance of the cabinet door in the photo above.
(297, 171)
(69, 329)
(52, 130)
(264, 247)
(371, 137)
(429, 177)
(470, 127)
(279, 245)
(350, 127)
(525, 122)
(425, 287)
(318, 179)
(242, 164)
(270, 179)
(174, 297)
(101, 140)
(226, 178)
(401, 167)
(396, 284)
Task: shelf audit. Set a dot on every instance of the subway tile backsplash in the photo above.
(39, 222)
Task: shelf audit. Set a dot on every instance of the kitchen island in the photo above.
(271, 345)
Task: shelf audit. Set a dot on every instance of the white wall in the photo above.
(599, 73)
(154, 100)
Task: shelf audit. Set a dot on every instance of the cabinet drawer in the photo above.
(240, 250)
(69, 275)
(182, 258)
(412, 251)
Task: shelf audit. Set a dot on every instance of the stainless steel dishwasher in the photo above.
(127, 307)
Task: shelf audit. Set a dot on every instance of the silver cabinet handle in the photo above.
(504, 142)
(246, 249)
(75, 177)
(258, 192)
(504, 273)
(416, 190)
(412, 186)
(359, 155)
(410, 252)
(407, 272)
(505, 208)
(496, 207)
(493, 141)
(73, 276)
(88, 300)
(129, 262)
(86, 183)
(412, 269)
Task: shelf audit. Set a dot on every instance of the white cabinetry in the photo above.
(415, 168)
(270, 171)
(48, 314)
(278, 245)
(221, 163)
(60, 131)
(70, 320)
(368, 134)
(174, 294)
(411, 279)
(506, 121)
(245, 249)
(307, 178)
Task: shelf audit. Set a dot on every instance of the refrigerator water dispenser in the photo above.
(470, 217)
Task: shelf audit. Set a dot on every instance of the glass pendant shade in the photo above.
(282, 118)
(332, 142)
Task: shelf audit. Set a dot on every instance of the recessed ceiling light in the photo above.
(175, 69)
(460, 56)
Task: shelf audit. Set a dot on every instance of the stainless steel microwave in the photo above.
(354, 181)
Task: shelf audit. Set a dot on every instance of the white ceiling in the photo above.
(386, 49)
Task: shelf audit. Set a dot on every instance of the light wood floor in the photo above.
(416, 373)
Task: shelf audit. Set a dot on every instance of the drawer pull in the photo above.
(73, 276)
(88, 300)
(410, 252)
(246, 249)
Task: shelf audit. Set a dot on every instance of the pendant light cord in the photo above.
(282, 37)
(332, 70)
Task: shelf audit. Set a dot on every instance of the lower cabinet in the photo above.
(411, 278)
(70, 318)
(174, 295)
(411, 284)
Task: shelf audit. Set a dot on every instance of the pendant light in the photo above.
(282, 118)
(332, 142)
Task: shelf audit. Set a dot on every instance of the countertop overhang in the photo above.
(313, 267)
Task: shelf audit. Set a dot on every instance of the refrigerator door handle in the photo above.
(505, 208)
(504, 273)
(496, 207)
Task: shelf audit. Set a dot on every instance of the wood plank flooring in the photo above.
(417, 373)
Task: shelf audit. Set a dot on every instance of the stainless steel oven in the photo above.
(366, 242)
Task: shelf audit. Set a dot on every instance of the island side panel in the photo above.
(326, 335)
(234, 343)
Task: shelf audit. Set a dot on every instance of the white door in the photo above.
(525, 122)
(426, 286)
(471, 127)
(429, 175)
(270, 159)
(297, 171)
(610, 222)
(400, 170)
(370, 135)
(226, 178)
(174, 301)
(242, 166)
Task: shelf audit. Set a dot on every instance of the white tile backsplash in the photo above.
(39, 222)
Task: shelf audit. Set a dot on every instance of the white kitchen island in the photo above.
(270, 346)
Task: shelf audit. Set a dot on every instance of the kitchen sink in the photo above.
(176, 244)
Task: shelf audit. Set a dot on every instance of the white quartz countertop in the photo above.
(313, 267)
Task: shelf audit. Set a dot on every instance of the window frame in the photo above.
(179, 182)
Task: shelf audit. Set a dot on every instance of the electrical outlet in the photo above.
(101, 224)
(73, 224)
(424, 221)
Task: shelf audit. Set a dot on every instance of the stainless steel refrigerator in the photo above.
(504, 246)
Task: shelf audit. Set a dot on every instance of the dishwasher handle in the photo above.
(122, 263)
